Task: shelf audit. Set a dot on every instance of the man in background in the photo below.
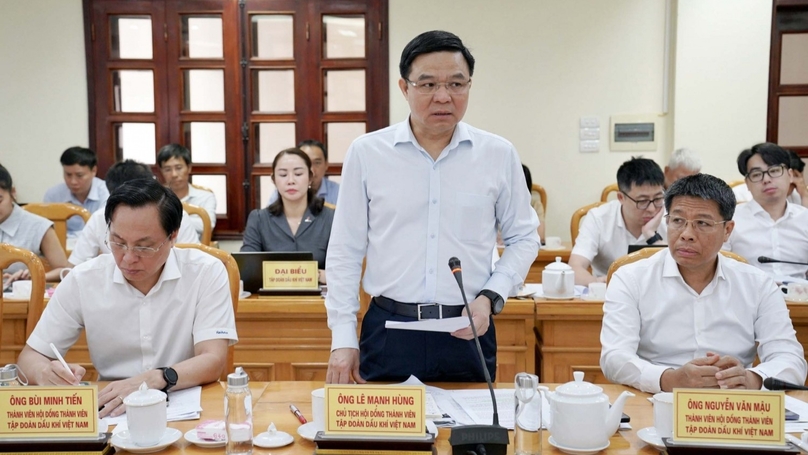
(80, 187)
(174, 162)
(683, 162)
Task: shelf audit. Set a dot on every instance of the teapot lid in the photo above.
(578, 387)
(557, 265)
(144, 396)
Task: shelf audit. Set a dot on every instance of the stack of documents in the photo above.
(182, 405)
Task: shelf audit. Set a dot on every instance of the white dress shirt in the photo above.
(206, 200)
(603, 237)
(23, 229)
(653, 321)
(742, 194)
(756, 234)
(129, 333)
(91, 239)
(408, 214)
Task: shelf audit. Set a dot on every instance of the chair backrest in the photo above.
(542, 195)
(735, 183)
(59, 213)
(575, 222)
(233, 277)
(10, 254)
(650, 251)
(604, 195)
(207, 232)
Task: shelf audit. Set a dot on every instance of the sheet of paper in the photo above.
(182, 405)
(477, 404)
(800, 407)
(447, 325)
(431, 406)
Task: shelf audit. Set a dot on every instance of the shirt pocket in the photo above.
(475, 218)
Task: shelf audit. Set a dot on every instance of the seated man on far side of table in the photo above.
(151, 313)
(633, 219)
(691, 317)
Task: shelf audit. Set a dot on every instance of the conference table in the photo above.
(544, 258)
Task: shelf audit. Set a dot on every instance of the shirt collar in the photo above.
(12, 223)
(671, 268)
(757, 209)
(404, 134)
(94, 194)
(171, 271)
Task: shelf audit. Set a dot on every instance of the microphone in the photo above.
(480, 439)
(768, 260)
(777, 384)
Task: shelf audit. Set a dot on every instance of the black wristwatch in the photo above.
(656, 238)
(497, 303)
(170, 377)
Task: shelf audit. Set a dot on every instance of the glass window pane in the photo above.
(133, 90)
(794, 59)
(344, 36)
(273, 37)
(793, 112)
(135, 141)
(131, 37)
(202, 36)
(271, 138)
(204, 90)
(339, 136)
(217, 184)
(345, 91)
(274, 91)
(206, 141)
(266, 188)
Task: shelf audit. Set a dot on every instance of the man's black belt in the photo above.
(419, 310)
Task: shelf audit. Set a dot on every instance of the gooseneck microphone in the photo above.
(777, 384)
(480, 439)
(768, 260)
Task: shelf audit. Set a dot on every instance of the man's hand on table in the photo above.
(698, 373)
(343, 367)
(480, 313)
(111, 397)
(733, 374)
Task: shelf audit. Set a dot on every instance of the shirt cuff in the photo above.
(344, 336)
(650, 378)
(499, 283)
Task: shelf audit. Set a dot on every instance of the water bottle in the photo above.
(527, 415)
(238, 414)
(9, 376)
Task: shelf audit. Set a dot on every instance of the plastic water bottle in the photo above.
(527, 415)
(8, 376)
(238, 413)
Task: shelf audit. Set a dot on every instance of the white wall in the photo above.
(43, 90)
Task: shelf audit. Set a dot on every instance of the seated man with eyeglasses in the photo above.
(151, 313)
(769, 225)
(691, 317)
(633, 219)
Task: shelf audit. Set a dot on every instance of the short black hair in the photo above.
(528, 178)
(796, 162)
(142, 192)
(314, 203)
(429, 42)
(79, 155)
(707, 187)
(771, 154)
(124, 171)
(314, 143)
(169, 151)
(5, 179)
(639, 171)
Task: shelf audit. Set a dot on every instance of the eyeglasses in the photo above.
(643, 204)
(430, 87)
(774, 172)
(678, 223)
(139, 251)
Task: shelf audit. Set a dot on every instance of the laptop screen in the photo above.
(251, 269)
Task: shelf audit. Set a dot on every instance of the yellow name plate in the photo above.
(375, 410)
(283, 275)
(735, 417)
(47, 412)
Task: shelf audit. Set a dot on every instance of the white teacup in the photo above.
(797, 292)
(146, 415)
(63, 273)
(21, 289)
(318, 408)
(663, 414)
(552, 243)
(597, 291)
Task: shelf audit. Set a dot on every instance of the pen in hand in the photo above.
(297, 413)
(62, 360)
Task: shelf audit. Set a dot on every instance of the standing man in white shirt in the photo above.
(769, 225)
(81, 187)
(633, 219)
(413, 195)
(174, 162)
(691, 317)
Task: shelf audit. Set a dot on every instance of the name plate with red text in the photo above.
(47, 412)
(375, 410)
(289, 275)
(737, 417)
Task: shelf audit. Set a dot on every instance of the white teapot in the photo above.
(580, 415)
(558, 280)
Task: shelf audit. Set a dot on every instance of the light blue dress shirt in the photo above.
(409, 214)
(96, 199)
(329, 191)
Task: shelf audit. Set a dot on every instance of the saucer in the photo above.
(279, 439)
(649, 436)
(123, 441)
(558, 298)
(545, 248)
(577, 451)
(308, 431)
(244, 294)
(191, 437)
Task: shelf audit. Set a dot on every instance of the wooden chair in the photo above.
(234, 278)
(542, 195)
(735, 183)
(207, 232)
(604, 195)
(575, 222)
(59, 213)
(10, 254)
(650, 251)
